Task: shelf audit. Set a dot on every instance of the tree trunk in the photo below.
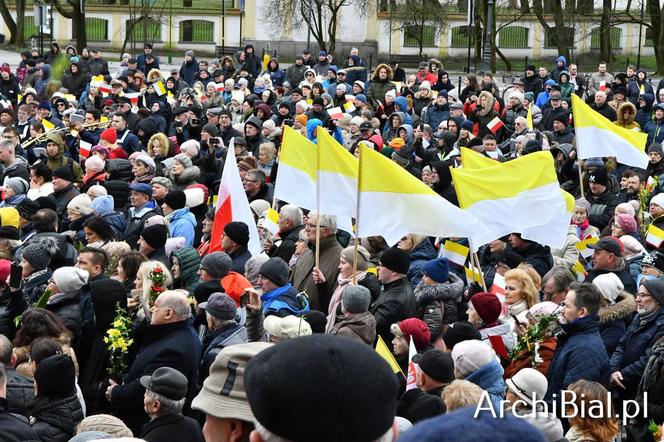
(78, 26)
(525, 7)
(9, 21)
(605, 33)
(655, 13)
(508, 63)
(20, 24)
(562, 40)
(478, 31)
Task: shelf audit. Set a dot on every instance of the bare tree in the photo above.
(71, 9)
(16, 28)
(414, 17)
(653, 22)
(320, 16)
(143, 15)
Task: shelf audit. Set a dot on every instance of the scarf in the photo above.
(653, 369)
(581, 228)
(336, 298)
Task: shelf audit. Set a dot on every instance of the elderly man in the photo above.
(290, 225)
(555, 284)
(223, 398)
(602, 107)
(255, 186)
(608, 258)
(169, 341)
(220, 312)
(580, 353)
(629, 360)
(306, 276)
(165, 392)
(142, 208)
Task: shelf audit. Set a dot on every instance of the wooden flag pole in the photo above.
(578, 162)
(357, 218)
(317, 261)
(476, 264)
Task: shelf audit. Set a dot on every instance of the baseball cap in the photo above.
(610, 243)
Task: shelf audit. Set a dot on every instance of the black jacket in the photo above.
(13, 427)
(54, 419)
(538, 256)
(166, 345)
(622, 272)
(240, 258)
(416, 405)
(286, 249)
(20, 392)
(68, 307)
(396, 303)
(172, 429)
(602, 208)
(12, 304)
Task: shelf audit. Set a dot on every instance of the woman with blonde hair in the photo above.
(583, 427)
(145, 284)
(460, 394)
(520, 295)
(158, 146)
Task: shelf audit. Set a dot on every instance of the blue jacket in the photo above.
(282, 302)
(403, 107)
(435, 114)
(117, 222)
(188, 71)
(183, 224)
(490, 378)
(580, 354)
(633, 351)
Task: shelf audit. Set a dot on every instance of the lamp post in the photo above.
(170, 31)
(486, 52)
(638, 55)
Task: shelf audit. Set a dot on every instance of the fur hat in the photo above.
(184, 160)
(288, 327)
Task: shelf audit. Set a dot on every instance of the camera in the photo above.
(288, 122)
(213, 141)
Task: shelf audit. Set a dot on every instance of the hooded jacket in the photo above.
(377, 87)
(438, 304)
(189, 261)
(489, 377)
(419, 256)
(644, 114)
(182, 224)
(634, 87)
(556, 71)
(654, 127)
(75, 82)
(613, 320)
(360, 327)
(59, 159)
(54, 420)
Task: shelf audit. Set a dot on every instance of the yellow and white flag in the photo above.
(456, 253)
(159, 88)
(579, 271)
(522, 196)
(583, 248)
(394, 203)
(384, 352)
(473, 274)
(655, 236)
(338, 170)
(47, 124)
(296, 175)
(596, 136)
(271, 223)
(529, 117)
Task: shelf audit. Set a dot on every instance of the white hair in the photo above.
(521, 120)
(293, 213)
(329, 221)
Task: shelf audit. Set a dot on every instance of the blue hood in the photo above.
(563, 59)
(403, 103)
(311, 125)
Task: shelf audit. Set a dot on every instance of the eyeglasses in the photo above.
(249, 181)
(643, 295)
(341, 74)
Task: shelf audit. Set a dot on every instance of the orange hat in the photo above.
(397, 143)
(302, 119)
(109, 135)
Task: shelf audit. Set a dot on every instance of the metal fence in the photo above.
(513, 37)
(596, 37)
(412, 34)
(460, 37)
(139, 34)
(96, 29)
(197, 31)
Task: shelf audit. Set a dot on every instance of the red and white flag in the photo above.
(133, 98)
(105, 88)
(495, 125)
(411, 380)
(85, 148)
(232, 205)
(335, 112)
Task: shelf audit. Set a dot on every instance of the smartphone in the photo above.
(15, 275)
(244, 300)
(421, 127)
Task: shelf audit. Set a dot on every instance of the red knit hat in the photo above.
(417, 330)
(109, 135)
(487, 306)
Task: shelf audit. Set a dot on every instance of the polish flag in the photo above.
(85, 148)
(335, 112)
(411, 379)
(232, 205)
(495, 125)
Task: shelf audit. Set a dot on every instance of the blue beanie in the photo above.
(468, 125)
(437, 269)
(361, 97)
(464, 425)
(103, 204)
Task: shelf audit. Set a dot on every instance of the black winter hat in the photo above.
(175, 199)
(26, 208)
(437, 365)
(10, 232)
(460, 331)
(276, 270)
(312, 369)
(155, 236)
(510, 258)
(56, 377)
(318, 100)
(238, 232)
(532, 146)
(64, 173)
(599, 176)
(38, 255)
(46, 202)
(656, 288)
(396, 260)
(211, 129)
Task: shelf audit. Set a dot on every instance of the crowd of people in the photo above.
(121, 316)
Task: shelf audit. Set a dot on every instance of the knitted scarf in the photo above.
(653, 369)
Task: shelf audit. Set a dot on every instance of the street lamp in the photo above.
(486, 52)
